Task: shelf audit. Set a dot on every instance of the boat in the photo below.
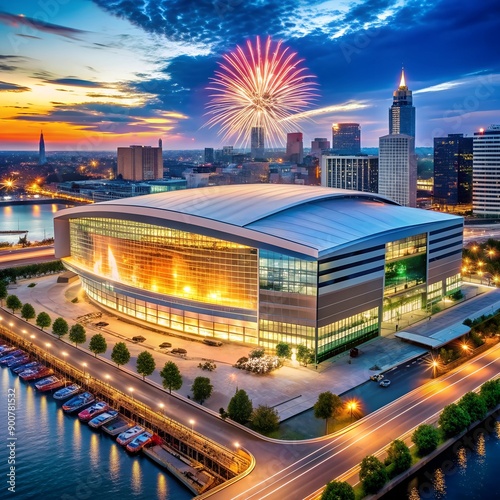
(103, 418)
(6, 357)
(67, 391)
(21, 360)
(116, 426)
(49, 383)
(36, 373)
(129, 435)
(92, 411)
(19, 369)
(5, 349)
(139, 442)
(78, 402)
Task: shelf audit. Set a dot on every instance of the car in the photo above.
(101, 324)
(216, 343)
(385, 383)
(138, 338)
(179, 350)
(164, 345)
(377, 378)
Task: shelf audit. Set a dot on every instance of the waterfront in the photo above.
(58, 457)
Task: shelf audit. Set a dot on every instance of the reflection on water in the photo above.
(439, 484)
(462, 459)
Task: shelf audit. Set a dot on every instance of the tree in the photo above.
(283, 350)
(240, 407)
(98, 344)
(202, 389)
(77, 334)
(426, 439)
(120, 354)
(145, 364)
(265, 419)
(328, 405)
(372, 474)
(453, 420)
(473, 404)
(13, 303)
(3, 291)
(28, 311)
(304, 354)
(490, 392)
(60, 327)
(398, 457)
(171, 377)
(338, 490)
(43, 320)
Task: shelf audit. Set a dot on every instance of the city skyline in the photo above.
(96, 76)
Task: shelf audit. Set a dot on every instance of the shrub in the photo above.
(476, 339)
(261, 365)
(398, 457)
(265, 419)
(426, 439)
(207, 365)
(490, 393)
(372, 474)
(453, 420)
(257, 353)
(474, 405)
(240, 407)
(338, 490)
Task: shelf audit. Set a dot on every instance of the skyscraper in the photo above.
(453, 170)
(294, 147)
(318, 145)
(257, 142)
(359, 173)
(486, 172)
(140, 163)
(346, 138)
(209, 155)
(41, 150)
(402, 111)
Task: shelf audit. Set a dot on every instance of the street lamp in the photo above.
(84, 367)
(352, 405)
(131, 389)
(192, 422)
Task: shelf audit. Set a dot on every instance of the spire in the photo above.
(402, 83)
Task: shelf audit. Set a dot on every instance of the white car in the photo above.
(385, 383)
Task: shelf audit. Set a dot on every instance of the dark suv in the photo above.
(178, 350)
(138, 338)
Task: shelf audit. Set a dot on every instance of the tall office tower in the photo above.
(160, 143)
(209, 155)
(257, 142)
(346, 138)
(453, 170)
(359, 173)
(140, 163)
(41, 150)
(486, 172)
(402, 111)
(318, 145)
(294, 147)
(397, 169)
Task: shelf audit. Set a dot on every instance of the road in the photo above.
(22, 256)
(288, 469)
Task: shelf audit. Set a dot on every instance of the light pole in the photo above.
(352, 405)
(162, 406)
(84, 367)
(192, 422)
(131, 389)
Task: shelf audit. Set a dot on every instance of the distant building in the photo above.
(402, 111)
(294, 147)
(209, 155)
(486, 173)
(41, 151)
(453, 170)
(359, 173)
(140, 163)
(257, 142)
(346, 138)
(318, 145)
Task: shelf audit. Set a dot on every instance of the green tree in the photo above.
(265, 419)
(171, 377)
(145, 364)
(453, 420)
(304, 354)
(202, 389)
(474, 405)
(120, 354)
(77, 334)
(28, 311)
(3, 291)
(283, 350)
(60, 327)
(328, 405)
(98, 344)
(398, 457)
(372, 474)
(43, 320)
(13, 303)
(338, 490)
(490, 392)
(426, 439)
(240, 407)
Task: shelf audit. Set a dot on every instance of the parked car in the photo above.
(179, 350)
(385, 383)
(101, 324)
(164, 345)
(138, 338)
(216, 343)
(377, 378)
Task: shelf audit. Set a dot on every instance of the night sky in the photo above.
(99, 74)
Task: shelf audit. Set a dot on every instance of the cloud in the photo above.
(74, 82)
(29, 36)
(12, 87)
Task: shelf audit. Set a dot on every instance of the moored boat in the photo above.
(103, 418)
(36, 373)
(6, 349)
(11, 355)
(49, 383)
(19, 369)
(21, 360)
(129, 435)
(139, 442)
(78, 402)
(92, 411)
(67, 392)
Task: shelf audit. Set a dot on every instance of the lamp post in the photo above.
(162, 407)
(192, 422)
(352, 405)
(131, 389)
(84, 367)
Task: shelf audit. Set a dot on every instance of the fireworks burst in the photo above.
(263, 86)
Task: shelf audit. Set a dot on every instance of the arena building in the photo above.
(261, 263)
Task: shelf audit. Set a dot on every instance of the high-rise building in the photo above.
(41, 150)
(140, 163)
(486, 172)
(209, 155)
(402, 111)
(453, 170)
(346, 138)
(359, 173)
(318, 145)
(397, 169)
(160, 143)
(257, 142)
(294, 147)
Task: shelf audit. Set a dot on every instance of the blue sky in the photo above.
(99, 74)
